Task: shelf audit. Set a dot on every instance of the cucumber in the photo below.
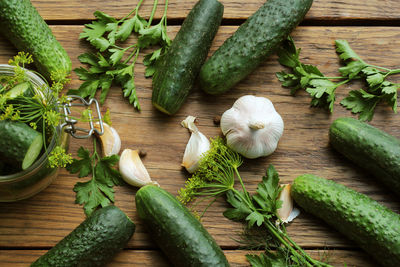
(93, 243)
(375, 228)
(20, 143)
(24, 89)
(177, 232)
(177, 70)
(24, 27)
(251, 44)
(368, 147)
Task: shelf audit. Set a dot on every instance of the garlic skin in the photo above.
(252, 126)
(197, 145)
(110, 140)
(287, 212)
(132, 169)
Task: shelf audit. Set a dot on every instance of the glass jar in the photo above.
(39, 175)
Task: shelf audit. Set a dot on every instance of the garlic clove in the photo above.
(252, 126)
(110, 140)
(287, 212)
(132, 169)
(197, 145)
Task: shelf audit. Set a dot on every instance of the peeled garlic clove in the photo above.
(132, 169)
(110, 140)
(198, 144)
(252, 126)
(287, 212)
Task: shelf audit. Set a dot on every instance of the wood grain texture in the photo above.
(178, 9)
(43, 220)
(155, 258)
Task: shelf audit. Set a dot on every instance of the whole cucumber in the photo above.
(368, 147)
(177, 70)
(24, 27)
(93, 243)
(251, 44)
(375, 228)
(176, 231)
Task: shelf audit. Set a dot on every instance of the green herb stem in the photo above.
(294, 244)
(136, 10)
(273, 231)
(164, 18)
(248, 200)
(392, 72)
(342, 82)
(134, 53)
(332, 78)
(377, 67)
(153, 11)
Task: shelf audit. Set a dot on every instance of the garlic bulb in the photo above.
(198, 144)
(287, 212)
(252, 126)
(110, 140)
(132, 169)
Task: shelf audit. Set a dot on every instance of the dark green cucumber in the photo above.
(177, 70)
(177, 232)
(24, 27)
(251, 44)
(19, 142)
(375, 228)
(93, 243)
(370, 148)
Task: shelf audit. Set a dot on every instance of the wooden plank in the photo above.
(155, 258)
(178, 9)
(44, 219)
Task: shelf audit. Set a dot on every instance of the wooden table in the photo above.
(30, 227)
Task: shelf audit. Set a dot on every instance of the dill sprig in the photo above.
(218, 170)
(39, 109)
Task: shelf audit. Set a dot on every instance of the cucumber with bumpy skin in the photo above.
(370, 148)
(25, 28)
(93, 243)
(375, 228)
(177, 70)
(176, 231)
(20, 143)
(251, 44)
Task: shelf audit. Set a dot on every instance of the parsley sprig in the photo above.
(322, 89)
(113, 63)
(98, 190)
(218, 169)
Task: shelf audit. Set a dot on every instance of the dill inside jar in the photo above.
(32, 144)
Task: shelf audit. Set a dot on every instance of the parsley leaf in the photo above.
(268, 192)
(322, 89)
(343, 47)
(113, 64)
(304, 76)
(240, 210)
(156, 34)
(322, 92)
(361, 102)
(98, 190)
(150, 60)
(83, 166)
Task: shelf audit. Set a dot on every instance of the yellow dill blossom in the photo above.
(59, 158)
(52, 118)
